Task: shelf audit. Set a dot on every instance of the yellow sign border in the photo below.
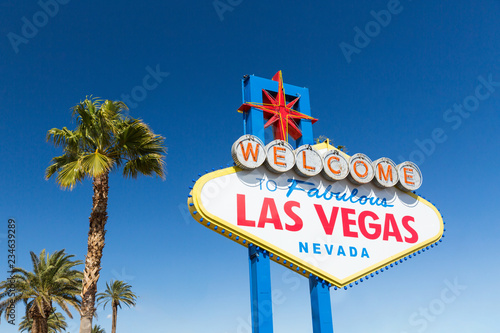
(281, 257)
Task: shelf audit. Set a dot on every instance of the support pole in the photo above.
(321, 307)
(260, 291)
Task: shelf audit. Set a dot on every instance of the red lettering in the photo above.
(347, 222)
(390, 223)
(240, 212)
(298, 221)
(328, 225)
(406, 225)
(362, 226)
(269, 206)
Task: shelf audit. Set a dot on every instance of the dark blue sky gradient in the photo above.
(394, 92)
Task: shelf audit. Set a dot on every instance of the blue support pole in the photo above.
(305, 125)
(253, 119)
(321, 307)
(260, 273)
(260, 291)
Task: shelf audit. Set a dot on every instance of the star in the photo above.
(278, 113)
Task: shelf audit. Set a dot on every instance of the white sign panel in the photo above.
(336, 230)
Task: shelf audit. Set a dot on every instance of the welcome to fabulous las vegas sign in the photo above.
(315, 209)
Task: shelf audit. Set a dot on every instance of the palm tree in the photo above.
(98, 329)
(117, 292)
(53, 280)
(323, 138)
(104, 140)
(55, 322)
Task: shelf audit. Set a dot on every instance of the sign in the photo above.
(312, 223)
(316, 210)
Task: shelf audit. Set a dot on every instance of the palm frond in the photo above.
(136, 139)
(95, 164)
(60, 137)
(147, 165)
(70, 173)
(53, 279)
(98, 329)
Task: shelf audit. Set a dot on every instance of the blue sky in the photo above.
(396, 89)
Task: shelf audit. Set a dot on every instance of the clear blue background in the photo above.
(396, 90)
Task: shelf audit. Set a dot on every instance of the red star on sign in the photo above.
(278, 113)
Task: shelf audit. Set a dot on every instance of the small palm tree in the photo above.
(323, 138)
(56, 323)
(117, 292)
(98, 329)
(53, 280)
(342, 148)
(104, 139)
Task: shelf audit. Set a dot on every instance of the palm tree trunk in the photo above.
(115, 314)
(40, 324)
(97, 219)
